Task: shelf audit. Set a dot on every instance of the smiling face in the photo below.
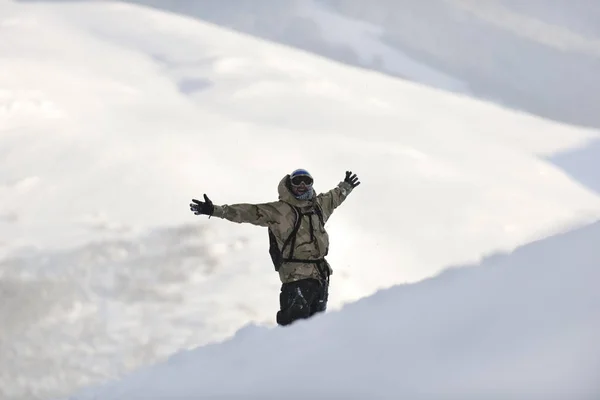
(300, 182)
(300, 189)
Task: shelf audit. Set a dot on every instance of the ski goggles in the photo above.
(300, 179)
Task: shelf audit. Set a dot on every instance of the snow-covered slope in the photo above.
(538, 56)
(112, 117)
(314, 27)
(541, 56)
(518, 326)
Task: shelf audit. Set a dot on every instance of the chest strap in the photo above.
(277, 255)
(292, 238)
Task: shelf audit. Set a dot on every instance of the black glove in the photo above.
(352, 179)
(202, 207)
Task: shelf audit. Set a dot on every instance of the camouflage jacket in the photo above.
(312, 240)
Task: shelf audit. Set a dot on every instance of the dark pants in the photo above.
(301, 299)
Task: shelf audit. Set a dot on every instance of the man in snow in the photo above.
(298, 239)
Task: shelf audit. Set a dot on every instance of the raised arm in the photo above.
(331, 200)
(257, 214)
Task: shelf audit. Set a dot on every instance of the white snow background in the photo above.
(113, 116)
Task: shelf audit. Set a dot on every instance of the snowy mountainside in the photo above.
(540, 56)
(522, 325)
(109, 128)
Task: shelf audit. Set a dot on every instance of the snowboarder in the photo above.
(297, 236)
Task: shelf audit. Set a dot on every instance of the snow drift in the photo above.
(518, 326)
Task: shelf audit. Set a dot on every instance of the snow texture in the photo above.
(113, 116)
(523, 325)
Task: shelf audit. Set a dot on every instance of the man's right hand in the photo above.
(202, 207)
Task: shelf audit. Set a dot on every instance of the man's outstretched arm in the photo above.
(256, 214)
(332, 199)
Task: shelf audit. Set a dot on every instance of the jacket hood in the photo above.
(285, 194)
